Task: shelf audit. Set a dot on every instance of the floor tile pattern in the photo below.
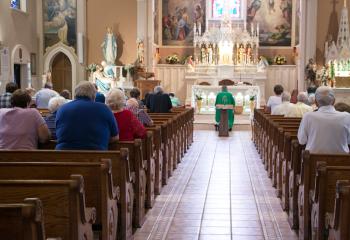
(219, 191)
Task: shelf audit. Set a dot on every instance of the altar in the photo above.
(203, 98)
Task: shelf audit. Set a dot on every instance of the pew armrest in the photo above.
(90, 215)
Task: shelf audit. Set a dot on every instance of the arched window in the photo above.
(219, 5)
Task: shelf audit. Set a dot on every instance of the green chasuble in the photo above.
(225, 98)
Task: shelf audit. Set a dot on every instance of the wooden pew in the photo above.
(99, 189)
(306, 183)
(322, 203)
(22, 221)
(158, 151)
(138, 167)
(149, 157)
(122, 175)
(340, 228)
(63, 201)
(294, 168)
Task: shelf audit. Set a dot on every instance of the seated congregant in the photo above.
(66, 94)
(312, 101)
(135, 93)
(301, 106)
(99, 96)
(327, 130)
(84, 124)
(43, 96)
(158, 102)
(276, 99)
(174, 100)
(22, 127)
(133, 106)
(129, 126)
(54, 104)
(5, 98)
(286, 108)
(342, 107)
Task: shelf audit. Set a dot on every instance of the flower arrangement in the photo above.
(130, 68)
(252, 98)
(172, 59)
(92, 68)
(198, 97)
(280, 60)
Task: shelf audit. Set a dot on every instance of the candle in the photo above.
(245, 25)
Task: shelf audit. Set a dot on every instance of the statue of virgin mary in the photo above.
(109, 47)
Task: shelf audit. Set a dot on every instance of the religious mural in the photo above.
(178, 19)
(297, 21)
(275, 19)
(60, 22)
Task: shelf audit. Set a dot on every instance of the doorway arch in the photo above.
(61, 73)
(20, 66)
(69, 52)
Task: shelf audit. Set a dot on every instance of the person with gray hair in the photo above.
(43, 96)
(129, 126)
(84, 124)
(54, 104)
(312, 101)
(325, 131)
(286, 107)
(159, 102)
(300, 107)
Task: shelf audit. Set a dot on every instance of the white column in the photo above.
(145, 28)
(308, 31)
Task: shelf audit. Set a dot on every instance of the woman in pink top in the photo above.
(22, 127)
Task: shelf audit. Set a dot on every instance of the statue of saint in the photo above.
(109, 47)
(310, 74)
(140, 52)
(104, 77)
(241, 52)
(210, 55)
(204, 54)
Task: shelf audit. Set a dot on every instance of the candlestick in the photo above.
(245, 25)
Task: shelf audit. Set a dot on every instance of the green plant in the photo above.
(92, 67)
(252, 98)
(198, 97)
(172, 59)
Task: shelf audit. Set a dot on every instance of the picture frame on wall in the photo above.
(275, 20)
(33, 65)
(177, 20)
(60, 29)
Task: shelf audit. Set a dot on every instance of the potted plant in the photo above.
(252, 103)
(199, 100)
(280, 60)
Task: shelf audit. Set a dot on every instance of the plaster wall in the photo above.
(119, 14)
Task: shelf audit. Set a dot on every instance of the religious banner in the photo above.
(60, 22)
(275, 20)
(178, 19)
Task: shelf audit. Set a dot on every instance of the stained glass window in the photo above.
(219, 8)
(16, 4)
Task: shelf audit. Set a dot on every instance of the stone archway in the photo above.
(69, 52)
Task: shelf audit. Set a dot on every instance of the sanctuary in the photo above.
(226, 50)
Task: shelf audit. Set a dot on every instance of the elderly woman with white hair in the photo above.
(302, 104)
(133, 106)
(54, 104)
(159, 102)
(326, 131)
(286, 107)
(129, 126)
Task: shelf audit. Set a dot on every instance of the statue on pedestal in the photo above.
(203, 54)
(310, 74)
(109, 47)
(210, 55)
(140, 52)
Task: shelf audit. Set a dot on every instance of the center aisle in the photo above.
(219, 191)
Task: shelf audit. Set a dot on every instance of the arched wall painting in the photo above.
(275, 20)
(178, 19)
(60, 22)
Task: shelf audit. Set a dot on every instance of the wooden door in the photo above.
(61, 73)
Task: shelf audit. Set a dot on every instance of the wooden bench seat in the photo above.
(322, 202)
(340, 217)
(22, 221)
(122, 175)
(99, 189)
(66, 216)
(306, 182)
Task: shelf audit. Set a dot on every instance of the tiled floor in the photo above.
(220, 191)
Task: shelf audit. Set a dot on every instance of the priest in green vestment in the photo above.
(225, 98)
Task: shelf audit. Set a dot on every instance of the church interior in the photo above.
(174, 119)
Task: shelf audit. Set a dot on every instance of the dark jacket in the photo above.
(158, 103)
